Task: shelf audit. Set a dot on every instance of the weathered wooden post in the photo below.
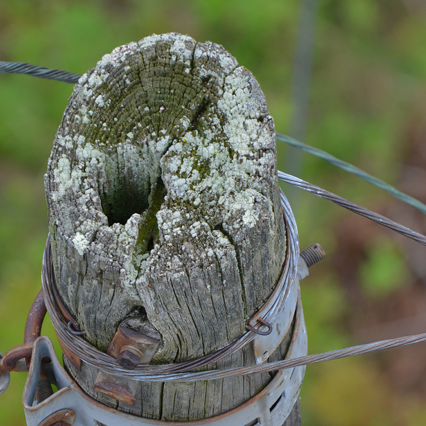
(165, 219)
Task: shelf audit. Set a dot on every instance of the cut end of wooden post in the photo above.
(163, 196)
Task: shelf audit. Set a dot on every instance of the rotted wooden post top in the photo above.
(165, 216)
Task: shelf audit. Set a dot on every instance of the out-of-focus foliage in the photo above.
(384, 270)
(367, 107)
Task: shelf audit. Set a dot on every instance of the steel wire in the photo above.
(72, 78)
(354, 170)
(37, 71)
(168, 373)
(362, 211)
(175, 372)
(297, 362)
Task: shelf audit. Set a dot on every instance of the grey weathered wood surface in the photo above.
(294, 418)
(164, 211)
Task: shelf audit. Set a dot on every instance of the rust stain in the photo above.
(74, 359)
(116, 391)
(62, 417)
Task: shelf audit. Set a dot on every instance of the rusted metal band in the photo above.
(35, 321)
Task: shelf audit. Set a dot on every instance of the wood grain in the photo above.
(164, 210)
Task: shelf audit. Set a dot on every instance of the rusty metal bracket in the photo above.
(269, 407)
(10, 360)
(115, 387)
(131, 348)
(35, 318)
(35, 321)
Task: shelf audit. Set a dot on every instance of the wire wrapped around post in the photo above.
(170, 372)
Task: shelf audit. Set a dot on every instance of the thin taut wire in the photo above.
(354, 170)
(68, 77)
(355, 208)
(36, 71)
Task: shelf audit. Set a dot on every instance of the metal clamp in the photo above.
(269, 407)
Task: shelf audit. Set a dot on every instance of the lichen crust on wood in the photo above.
(163, 197)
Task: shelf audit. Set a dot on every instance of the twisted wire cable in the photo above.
(354, 170)
(181, 372)
(362, 211)
(37, 71)
(294, 362)
(72, 78)
(163, 373)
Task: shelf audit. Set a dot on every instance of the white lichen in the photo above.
(80, 243)
(99, 101)
(215, 168)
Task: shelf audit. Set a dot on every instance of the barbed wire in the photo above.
(37, 71)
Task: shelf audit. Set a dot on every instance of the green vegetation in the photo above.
(367, 107)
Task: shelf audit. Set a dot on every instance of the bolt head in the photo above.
(141, 348)
(128, 360)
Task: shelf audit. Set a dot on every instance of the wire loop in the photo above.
(71, 329)
(259, 331)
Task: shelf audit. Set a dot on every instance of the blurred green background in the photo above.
(367, 106)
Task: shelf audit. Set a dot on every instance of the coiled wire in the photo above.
(179, 371)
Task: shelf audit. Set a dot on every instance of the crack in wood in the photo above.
(162, 193)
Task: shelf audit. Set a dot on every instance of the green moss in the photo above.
(148, 232)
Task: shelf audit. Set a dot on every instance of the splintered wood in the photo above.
(164, 213)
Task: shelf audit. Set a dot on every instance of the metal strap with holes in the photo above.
(269, 407)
